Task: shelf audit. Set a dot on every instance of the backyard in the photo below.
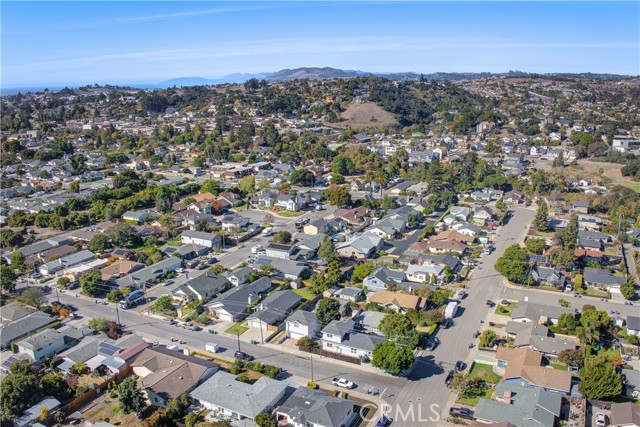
(305, 293)
(484, 372)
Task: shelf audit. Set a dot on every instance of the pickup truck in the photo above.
(342, 382)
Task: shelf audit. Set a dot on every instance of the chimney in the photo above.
(186, 274)
(506, 397)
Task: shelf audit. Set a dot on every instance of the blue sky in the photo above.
(54, 43)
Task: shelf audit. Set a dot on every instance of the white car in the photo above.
(342, 382)
(255, 249)
(601, 419)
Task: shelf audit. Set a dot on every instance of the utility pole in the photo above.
(261, 335)
(312, 369)
(57, 295)
(238, 336)
(118, 313)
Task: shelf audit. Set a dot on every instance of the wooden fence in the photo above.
(90, 394)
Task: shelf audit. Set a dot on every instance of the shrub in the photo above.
(312, 385)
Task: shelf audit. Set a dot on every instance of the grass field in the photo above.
(504, 310)
(635, 186)
(558, 366)
(305, 293)
(485, 372)
(237, 329)
(472, 400)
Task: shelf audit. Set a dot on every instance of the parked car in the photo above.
(449, 378)
(431, 345)
(169, 320)
(490, 303)
(601, 419)
(384, 421)
(460, 366)
(241, 355)
(461, 413)
(342, 382)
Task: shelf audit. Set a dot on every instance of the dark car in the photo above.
(449, 378)
(384, 421)
(461, 413)
(476, 334)
(431, 345)
(241, 355)
(460, 366)
(490, 303)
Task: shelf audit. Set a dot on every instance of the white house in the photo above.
(201, 238)
(340, 337)
(42, 345)
(302, 324)
(314, 408)
(633, 325)
(423, 273)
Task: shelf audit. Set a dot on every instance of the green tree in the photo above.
(413, 221)
(53, 384)
(123, 234)
(392, 357)
(535, 246)
(247, 185)
(628, 289)
(19, 391)
(192, 419)
(163, 303)
(74, 187)
(18, 260)
(513, 264)
(567, 321)
(8, 278)
(600, 378)
(303, 177)
(327, 310)
(395, 325)
(115, 295)
(594, 323)
(343, 165)
(130, 397)
(571, 357)
(439, 297)
(282, 237)
(9, 239)
(327, 251)
(487, 338)
(338, 195)
(337, 179)
(34, 297)
(210, 186)
(265, 420)
(77, 164)
(92, 283)
(304, 343)
(361, 271)
(99, 243)
(461, 382)
(63, 281)
(541, 220)
(99, 324)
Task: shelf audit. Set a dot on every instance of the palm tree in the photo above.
(381, 180)
(369, 177)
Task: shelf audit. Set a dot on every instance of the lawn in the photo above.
(485, 372)
(237, 329)
(596, 293)
(635, 186)
(504, 310)
(473, 399)
(305, 293)
(288, 214)
(558, 366)
(608, 352)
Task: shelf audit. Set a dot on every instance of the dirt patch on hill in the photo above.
(366, 115)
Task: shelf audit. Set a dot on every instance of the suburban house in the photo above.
(446, 246)
(625, 414)
(31, 415)
(274, 309)
(201, 238)
(149, 274)
(398, 301)
(303, 324)
(120, 268)
(288, 202)
(307, 407)
(24, 326)
(454, 235)
(233, 305)
(536, 336)
(633, 325)
(387, 228)
(382, 278)
(519, 406)
(288, 269)
(523, 366)
(598, 277)
(320, 226)
(234, 223)
(239, 276)
(538, 313)
(14, 311)
(360, 247)
(340, 337)
(228, 199)
(66, 261)
(369, 321)
(139, 216)
(279, 250)
(460, 212)
(349, 294)
(166, 374)
(482, 214)
(201, 288)
(42, 345)
(427, 272)
(545, 276)
(227, 397)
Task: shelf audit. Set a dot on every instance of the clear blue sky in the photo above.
(52, 43)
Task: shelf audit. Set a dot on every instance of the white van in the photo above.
(255, 249)
(267, 231)
(212, 347)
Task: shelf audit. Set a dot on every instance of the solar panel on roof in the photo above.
(262, 261)
(108, 349)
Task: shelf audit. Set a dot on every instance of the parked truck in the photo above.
(451, 310)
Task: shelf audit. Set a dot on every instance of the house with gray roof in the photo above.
(23, 327)
(537, 337)
(191, 251)
(369, 321)
(383, 277)
(361, 246)
(274, 309)
(597, 277)
(283, 267)
(42, 345)
(66, 262)
(538, 313)
(546, 276)
(302, 324)
(388, 228)
(307, 407)
(31, 415)
(233, 305)
(341, 337)
(239, 276)
(633, 325)
(201, 238)
(349, 294)
(520, 407)
(227, 397)
(201, 288)
(14, 311)
(149, 275)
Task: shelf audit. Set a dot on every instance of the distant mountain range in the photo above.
(324, 73)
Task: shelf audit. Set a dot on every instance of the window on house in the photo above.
(329, 336)
(329, 344)
(354, 350)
